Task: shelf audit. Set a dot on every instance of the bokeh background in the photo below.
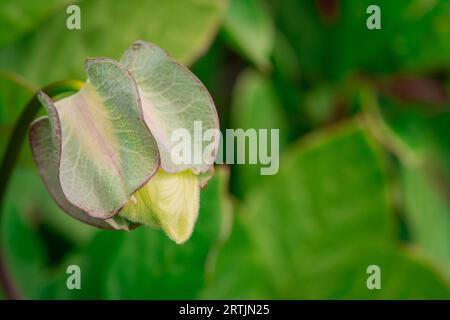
(364, 119)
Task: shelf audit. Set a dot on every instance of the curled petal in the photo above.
(172, 99)
(104, 150)
(45, 156)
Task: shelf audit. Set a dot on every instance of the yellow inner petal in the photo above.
(170, 200)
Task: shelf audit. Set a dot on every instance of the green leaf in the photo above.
(440, 125)
(340, 272)
(173, 99)
(425, 183)
(248, 279)
(323, 177)
(285, 60)
(51, 52)
(255, 105)
(334, 271)
(419, 141)
(336, 183)
(312, 231)
(405, 129)
(19, 17)
(104, 150)
(248, 27)
(428, 215)
(300, 24)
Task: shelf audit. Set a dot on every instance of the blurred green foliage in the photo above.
(364, 176)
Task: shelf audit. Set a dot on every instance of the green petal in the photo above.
(104, 149)
(45, 155)
(172, 98)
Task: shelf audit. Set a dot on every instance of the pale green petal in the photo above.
(172, 98)
(44, 153)
(104, 149)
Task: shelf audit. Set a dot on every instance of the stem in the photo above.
(9, 160)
